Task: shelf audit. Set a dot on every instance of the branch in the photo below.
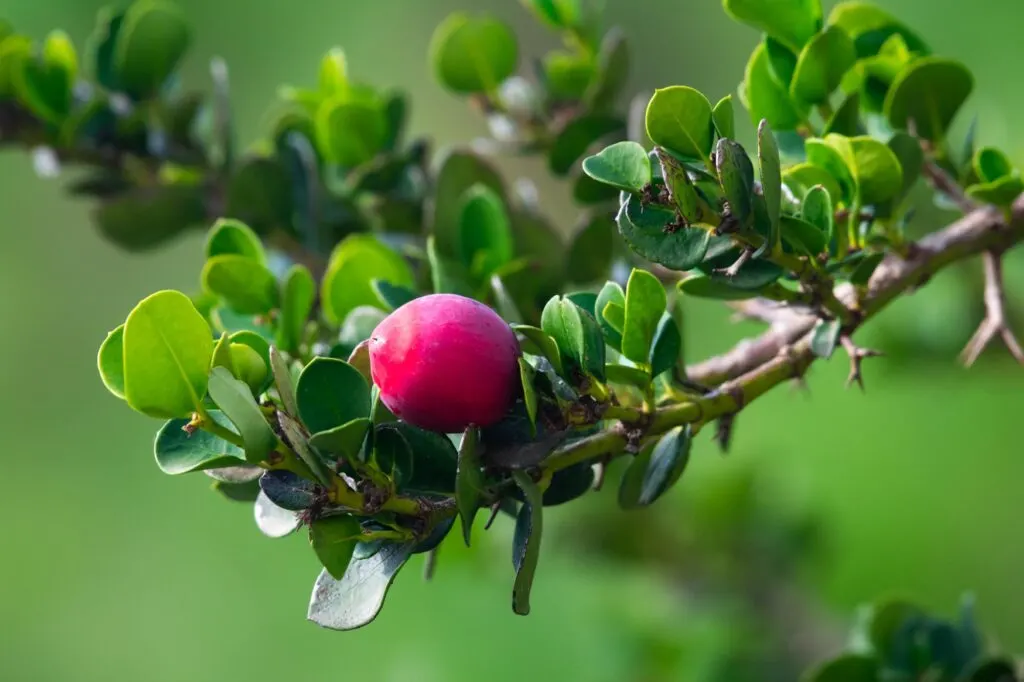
(995, 315)
(753, 367)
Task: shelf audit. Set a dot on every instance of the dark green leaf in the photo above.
(846, 119)
(458, 170)
(587, 191)
(679, 119)
(577, 334)
(590, 254)
(886, 624)
(623, 165)
(239, 492)
(645, 306)
(567, 74)
(610, 293)
(908, 152)
(541, 343)
(437, 534)
(736, 174)
(349, 131)
(825, 337)
(681, 188)
(296, 437)
(667, 462)
(782, 61)
(345, 440)
(822, 64)
(1002, 192)
(576, 138)
(513, 443)
(143, 218)
(526, 542)
(993, 670)
(356, 599)
(354, 264)
(151, 40)
(803, 235)
(526, 374)
(331, 393)
(435, 461)
(568, 484)
(167, 352)
(703, 286)
(447, 276)
(928, 93)
(764, 97)
(485, 237)
(990, 164)
(110, 362)
(473, 54)
(469, 482)
(846, 668)
(612, 71)
(232, 237)
(803, 176)
(771, 180)
(235, 400)
(630, 376)
(632, 483)
(297, 297)
(791, 21)
(391, 295)
(245, 285)
(288, 490)
(393, 455)
(260, 193)
(652, 233)
(334, 539)
(724, 117)
(870, 26)
(179, 452)
(272, 520)
(667, 345)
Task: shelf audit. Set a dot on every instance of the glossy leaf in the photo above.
(298, 295)
(526, 542)
(612, 72)
(623, 165)
(245, 285)
(526, 374)
(591, 250)
(822, 64)
(1002, 192)
(667, 462)
(632, 482)
(724, 117)
(288, 490)
(764, 97)
(804, 236)
(846, 668)
(577, 136)
(350, 132)
(869, 26)
(680, 187)
(151, 40)
(297, 438)
(392, 296)
(469, 483)
(679, 119)
(803, 176)
(167, 351)
(577, 335)
(457, 171)
(928, 93)
(435, 460)
(110, 362)
(818, 211)
(331, 393)
(473, 54)
(485, 236)
(334, 539)
(911, 157)
(791, 21)
(611, 292)
(649, 232)
(354, 264)
(179, 451)
(629, 376)
(645, 305)
(540, 343)
(233, 237)
(736, 175)
(990, 164)
(344, 440)
(846, 119)
(703, 286)
(871, 168)
(771, 179)
(272, 520)
(356, 599)
(825, 337)
(235, 400)
(666, 346)
(393, 455)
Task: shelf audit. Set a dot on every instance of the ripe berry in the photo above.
(443, 362)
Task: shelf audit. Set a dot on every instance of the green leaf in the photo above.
(577, 334)
(1002, 192)
(870, 167)
(574, 140)
(289, 490)
(473, 54)
(990, 164)
(110, 362)
(151, 40)
(435, 461)
(724, 117)
(666, 346)
(469, 482)
(736, 174)
(296, 437)
(615, 315)
(679, 119)
(485, 236)
(792, 22)
(611, 292)
(846, 119)
(559, 14)
(393, 455)
(143, 218)
(804, 236)
(703, 286)
(782, 61)
(764, 97)
(803, 176)
(612, 71)
(246, 286)
(233, 237)
(771, 179)
(630, 376)
(567, 74)
(331, 393)
(817, 210)
(845, 668)
(248, 366)
(667, 462)
(652, 233)
(458, 170)
(45, 83)
(167, 351)
(632, 482)
(825, 337)
(645, 305)
(260, 193)
(180, 452)
(334, 539)
(333, 78)
(344, 440)
(929, 92)
(392, 296)
(236, 402)
(355, 262)
(681, 188)
(992, 670)
(526, 374)
(623, 165)
(272, 520)
(526, 542)
(446, 276)
(356, 599)
(588, 191)
(538, 342)
(822, 64)
(887, 624)
(591, 250)
(911, 157)
(297, 298)
(870, 26)
(350, 132)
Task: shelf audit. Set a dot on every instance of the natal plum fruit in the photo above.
(443, 362)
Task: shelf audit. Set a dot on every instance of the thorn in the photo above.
(734, 269)
(600, 469)
(724, 429)
(857, 355)
(430, 564)
(995, 316)
(800, 386)
(495, 508)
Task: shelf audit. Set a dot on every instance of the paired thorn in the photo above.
(857, 355)
(995, 322)
(734, 269)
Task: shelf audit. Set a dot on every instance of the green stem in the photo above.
(207, 423)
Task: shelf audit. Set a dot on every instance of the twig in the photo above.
(943, 182)
(735, 268)
(995, 315)
(857, 355)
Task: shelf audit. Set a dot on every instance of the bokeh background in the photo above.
(111, 571)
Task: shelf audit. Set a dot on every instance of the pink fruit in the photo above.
(443, 362)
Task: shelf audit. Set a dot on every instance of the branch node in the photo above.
(735, 268)
(857, 355)
(995, 322)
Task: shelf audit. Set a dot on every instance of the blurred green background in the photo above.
(111, 571)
